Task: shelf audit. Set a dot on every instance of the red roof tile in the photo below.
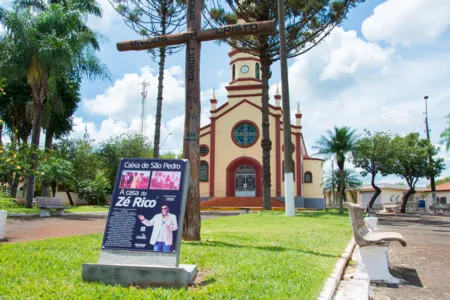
(443, 187)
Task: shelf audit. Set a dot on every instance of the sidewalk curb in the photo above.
(332, 282)
(67, 214)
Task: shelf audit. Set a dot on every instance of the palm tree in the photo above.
(44, 44)
(352, 181)
(337, 144)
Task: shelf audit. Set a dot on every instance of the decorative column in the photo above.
(298, 146)
(212, 154)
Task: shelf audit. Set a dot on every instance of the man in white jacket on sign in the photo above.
(163, 225)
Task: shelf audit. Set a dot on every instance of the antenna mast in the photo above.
(145, 84)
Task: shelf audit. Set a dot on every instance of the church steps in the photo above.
(237, 202)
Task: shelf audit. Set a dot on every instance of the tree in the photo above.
(85, 162)
(16, 164)
(154, 18)
(373, 155)
(53, 171)
(411, 161)
(338, 144)
(441, 181)
(307, 23)
(57, 41)
(445, 135)
(351, 180)
(15, 110)
(124, 145)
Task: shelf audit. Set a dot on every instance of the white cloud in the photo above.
(349, 54)
(407, 22)
(120, 104)
(335, 85)
(122, 101)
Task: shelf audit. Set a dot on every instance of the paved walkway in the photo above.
(424, 263)
(35, 228)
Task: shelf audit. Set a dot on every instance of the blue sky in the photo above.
(372, 72)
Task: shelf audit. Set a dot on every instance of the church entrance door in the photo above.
(245, 181)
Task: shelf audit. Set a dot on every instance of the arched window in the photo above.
(204, 171)
(293, 162)
(308, 177)
(234, 72)
(257, 71)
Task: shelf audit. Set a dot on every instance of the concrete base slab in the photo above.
(142, 276)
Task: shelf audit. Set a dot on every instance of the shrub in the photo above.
(6, 201)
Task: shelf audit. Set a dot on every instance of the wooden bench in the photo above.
(47, 203)
(373, 248)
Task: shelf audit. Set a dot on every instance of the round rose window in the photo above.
(245, 134)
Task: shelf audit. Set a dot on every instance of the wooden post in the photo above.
(193, 38)
(191, 148)
(257, 28)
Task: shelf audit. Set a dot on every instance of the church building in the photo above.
(230, 146)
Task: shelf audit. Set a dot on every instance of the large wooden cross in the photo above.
(193, 38)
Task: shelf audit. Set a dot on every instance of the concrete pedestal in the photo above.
(372, 222)
(374, 265)
(3, 216)
(44, 213)
(142, 276)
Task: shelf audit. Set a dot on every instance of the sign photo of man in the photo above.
(163, 226)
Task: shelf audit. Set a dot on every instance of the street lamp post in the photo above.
(430, 159)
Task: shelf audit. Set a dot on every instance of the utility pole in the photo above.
(430, 159)
(288, 163)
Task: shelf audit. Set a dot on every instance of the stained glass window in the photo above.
(204, 150)
(245, 134)
(257, 71)
(203, 171)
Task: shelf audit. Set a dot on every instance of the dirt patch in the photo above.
(30, 229)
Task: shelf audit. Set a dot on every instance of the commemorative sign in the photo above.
(147, 207)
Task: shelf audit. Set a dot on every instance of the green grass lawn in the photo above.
(73, 209)
(254, 256)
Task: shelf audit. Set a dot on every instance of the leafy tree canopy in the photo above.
(445, 135)
(411, 159)
(123, 145)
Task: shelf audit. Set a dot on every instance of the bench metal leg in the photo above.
(374, 265)
(60, 212)
(44, 213)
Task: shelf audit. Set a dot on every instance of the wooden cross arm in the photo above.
(254, 28)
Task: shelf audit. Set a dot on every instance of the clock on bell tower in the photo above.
(245, 71)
